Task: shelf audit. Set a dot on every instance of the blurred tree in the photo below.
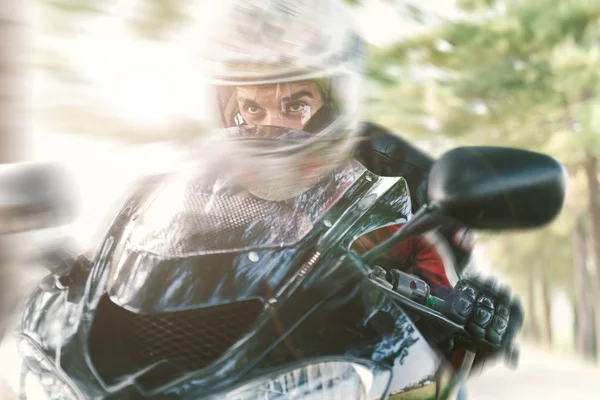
(14, 38)
(70, 100)
(156, 19)
(521, 73)
(538, 263)
(150, 19)
(585, 328)
(15, 135)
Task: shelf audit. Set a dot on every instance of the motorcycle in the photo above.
(199, 291)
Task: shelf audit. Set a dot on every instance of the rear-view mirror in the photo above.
(35, 195)
(497, 187)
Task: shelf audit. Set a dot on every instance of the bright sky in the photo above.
(383, 23)
(142, 81)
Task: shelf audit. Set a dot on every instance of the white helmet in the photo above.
(290, 70)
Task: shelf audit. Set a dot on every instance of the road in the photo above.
(540, 375)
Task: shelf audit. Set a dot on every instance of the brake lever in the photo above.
(415, 289)
(377, 278)
(413, 292)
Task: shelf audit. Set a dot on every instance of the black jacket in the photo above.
(387, 154)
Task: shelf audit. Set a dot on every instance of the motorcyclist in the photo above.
(281, 66)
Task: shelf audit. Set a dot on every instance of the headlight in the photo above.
(41, 380)
(328, 379)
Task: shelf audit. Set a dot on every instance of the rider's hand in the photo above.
(488, 312)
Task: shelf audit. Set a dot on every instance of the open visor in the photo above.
(306, 104)
(283, 137)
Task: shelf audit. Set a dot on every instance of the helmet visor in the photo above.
(309, 105)
(283, 137)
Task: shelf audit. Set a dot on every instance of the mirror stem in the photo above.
(426, 219)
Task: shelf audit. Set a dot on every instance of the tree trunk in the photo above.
(15, 143)
(15, 82)
(583, 300)
(547, 304)
(591, 169)
(532, 321)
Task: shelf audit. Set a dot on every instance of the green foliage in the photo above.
(62, 24)
(77, 6)
(525, 75)
(158, 17)
(475, 5)
(533, 68)
(547, 252)
(153, 19)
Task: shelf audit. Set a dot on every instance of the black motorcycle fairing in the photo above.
(355, 322)
(286, 309)
(59, 327)
(363, 214)
(354, 198)
(42, 305)
(400, 342)
(215, 248)
(50, 320)
(174, 285)
(394, 201)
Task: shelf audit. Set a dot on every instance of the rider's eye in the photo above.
(254, 110)
(295, 106)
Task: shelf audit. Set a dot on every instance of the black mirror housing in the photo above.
(35, 195)
(497, 188)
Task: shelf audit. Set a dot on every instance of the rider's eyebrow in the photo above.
(298, 95)
(294, 96)
(248, 102)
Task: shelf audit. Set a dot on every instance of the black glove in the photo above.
(487, 311)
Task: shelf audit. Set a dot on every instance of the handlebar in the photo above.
(414, 293)
(406, 295)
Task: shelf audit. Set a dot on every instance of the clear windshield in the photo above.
(196, 214)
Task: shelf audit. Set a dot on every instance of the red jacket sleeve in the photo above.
(415, 250)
